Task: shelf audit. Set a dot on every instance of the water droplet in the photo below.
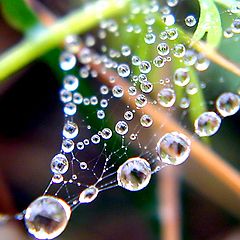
(136, 61)
(104, 103)
(168, 19)
(163, 49)
(146, 120)
(72, 44)
(134, 174)
(70, 83)
(202, 63)
(70, 109)
(228, 33)
(145, 67)
(70, 130)
(132, 91)
(128, 115)
(181, 77)
(166, 97)
(47, 217)
(117, 91)
(190, 21)
(106, 133)
(80, 146)
(190, 58)
(65, 96)
(150, 38)
(179, 50)
(236, 25)
(121, 127)
(191, 89)
(59, 164)
(83, 165)
(146, 87)
(104, 90)
(88, 194)
(57, 178)
(172, 34)
(141, 101)
(184, 103)
(95, 139)
(77, 98)
(125, 50)
(207, 124)
(173, 148)
(67, 61)
(228, 104)
(123, 70)
(67, 145)
(159, 61)
(172, 3)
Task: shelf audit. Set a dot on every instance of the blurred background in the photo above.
(30, 135)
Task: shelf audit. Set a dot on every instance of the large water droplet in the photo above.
(134, 174)
(173, 148)
(228, 104)
(181, 77)
(207, 124)
(47, 217)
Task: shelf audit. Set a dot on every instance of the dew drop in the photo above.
(67, 145)
(136, 61)
(106, 133)
(228, 104)
(59, 164)
(150, 38)
(67, 61)
(117, 91)
(145, 67)
(134, 174)
(141, 101)
(159, 61)
(179, 50)
(70, 130)
(121, 127)
(70, 83)
(88, 194)
(190, 21)
(207, 124)
(146, 87)
(163, 49)
(95, 139)
(70, 109)
(172, 34)
(123, 70)
(65, 96)
(77, 98)
(146, 120)
(57, 178)
(166, 97)
(172, 3)
(173, 148)
(236, 25)
(128, 115)
(47, 217)
(181, 77)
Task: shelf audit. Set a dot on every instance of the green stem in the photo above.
(46, 39)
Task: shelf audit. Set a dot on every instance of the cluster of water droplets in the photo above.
(47, 216)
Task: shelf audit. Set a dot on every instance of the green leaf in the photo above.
(19, 15)
(209, 22)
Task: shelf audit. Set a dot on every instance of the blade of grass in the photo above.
(47, 38)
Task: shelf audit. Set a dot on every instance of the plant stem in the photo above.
(44, 39)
